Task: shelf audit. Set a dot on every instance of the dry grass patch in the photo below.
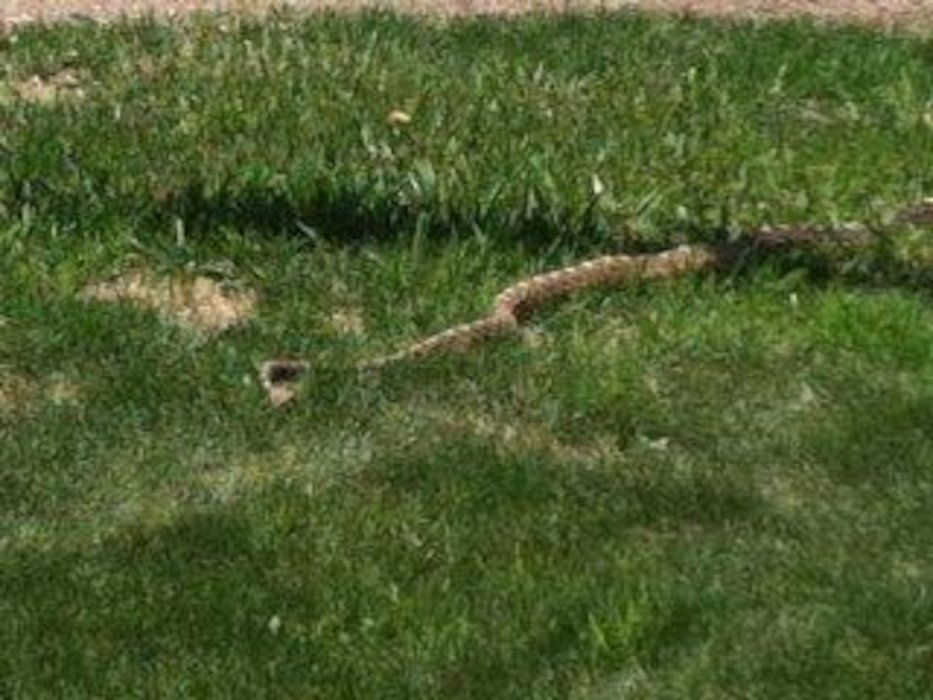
(348, 321)
(20, 394)
(200, 304)
(16, 393)
(66, 85)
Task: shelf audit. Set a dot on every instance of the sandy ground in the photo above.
(909, 13)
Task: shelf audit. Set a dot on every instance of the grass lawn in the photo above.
(715, 486)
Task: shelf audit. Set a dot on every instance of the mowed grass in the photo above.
(715, 486)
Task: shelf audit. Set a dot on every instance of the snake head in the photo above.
(280, 378)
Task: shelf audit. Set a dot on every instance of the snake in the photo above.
(518, 302)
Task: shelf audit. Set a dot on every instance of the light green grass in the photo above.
(708, 487)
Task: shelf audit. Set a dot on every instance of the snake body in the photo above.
(516, 303)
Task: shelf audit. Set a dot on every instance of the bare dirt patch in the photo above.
(887, 12)
(200, 304)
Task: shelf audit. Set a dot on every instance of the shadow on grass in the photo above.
(349, 218)
(887, 447)
(454, 570)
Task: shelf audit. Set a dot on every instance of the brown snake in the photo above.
(518, 302)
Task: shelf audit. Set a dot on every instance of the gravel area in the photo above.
(905, 13)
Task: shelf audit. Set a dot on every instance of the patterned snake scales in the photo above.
(517, 302)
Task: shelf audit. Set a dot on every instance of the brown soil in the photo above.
(905, 13)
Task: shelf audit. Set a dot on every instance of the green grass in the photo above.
(709, 487)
